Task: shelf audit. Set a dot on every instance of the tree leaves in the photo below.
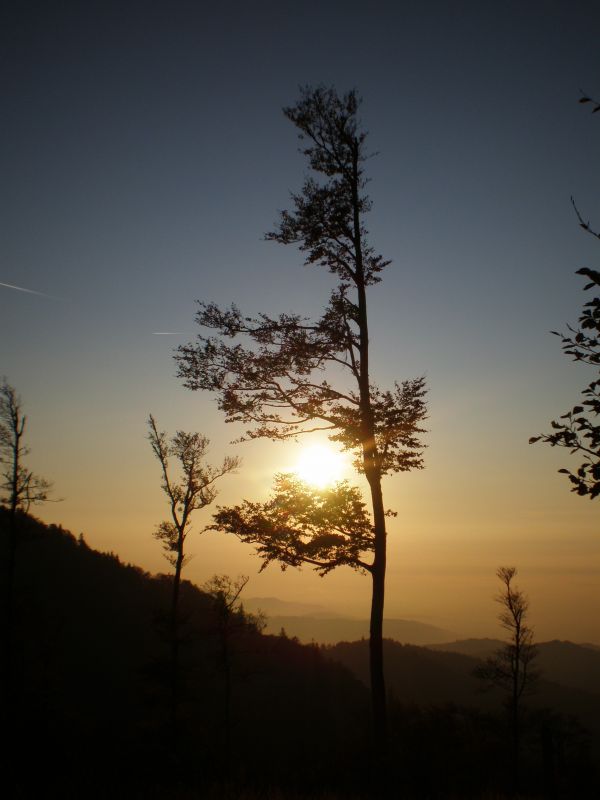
(579, 429)
(188, 487)
(302, 524)
(586, 99)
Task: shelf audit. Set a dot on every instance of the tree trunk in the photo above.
(226, 661)
(515, 744)
(373, 475)
(10, 582)
(7, 666)
(515, 711)
(174, 637)
(378, 695)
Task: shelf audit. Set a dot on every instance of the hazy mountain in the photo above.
(93, 679)
(274, 607)
(313, 623)
(477, 648)
(91, 682)
(415, 674)
(329, 630)
(574, 665)
(424, 676)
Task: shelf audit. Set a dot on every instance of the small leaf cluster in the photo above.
(301, 524)
(579, 429)
(188, 487)
(322, 222)
(585, 99)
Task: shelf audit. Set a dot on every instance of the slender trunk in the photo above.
(10, 579)
(174, 641)
(378, 695)
(373, 475)
(515, 711)
(8, 685)
(515, 746)
(227, 680)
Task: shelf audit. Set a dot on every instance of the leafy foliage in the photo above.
(225, 593)
(579, 429)
(302, 524)
(274, 380)
(193, 490)
(323, 223)
(585, 99)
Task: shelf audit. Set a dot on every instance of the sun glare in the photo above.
(320, 466)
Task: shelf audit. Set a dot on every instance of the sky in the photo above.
(144, 155)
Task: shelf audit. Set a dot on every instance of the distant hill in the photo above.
(426, 675)
(574, 665)
(415, 674)
(275, 607)
(91, 673)
(91, 681)
(590, 646)
(329, 630)
(313, 623)
(477, 648)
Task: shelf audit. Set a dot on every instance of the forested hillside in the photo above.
(92, 681)
(90, 690)
(575, 665)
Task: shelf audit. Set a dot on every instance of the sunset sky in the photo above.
(144, 155)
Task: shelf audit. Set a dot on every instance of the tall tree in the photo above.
(191, 489)
(20, 489)
(275, 382)
(510, 668)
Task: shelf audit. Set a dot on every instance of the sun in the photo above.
(320, 466)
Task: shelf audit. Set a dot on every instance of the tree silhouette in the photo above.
(585, 99)
(20, 489)
(192, 490)
(579, 430)
(275, 382)
(510, 668)
(301, 524)
(230, 619)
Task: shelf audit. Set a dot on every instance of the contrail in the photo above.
(29, 291)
